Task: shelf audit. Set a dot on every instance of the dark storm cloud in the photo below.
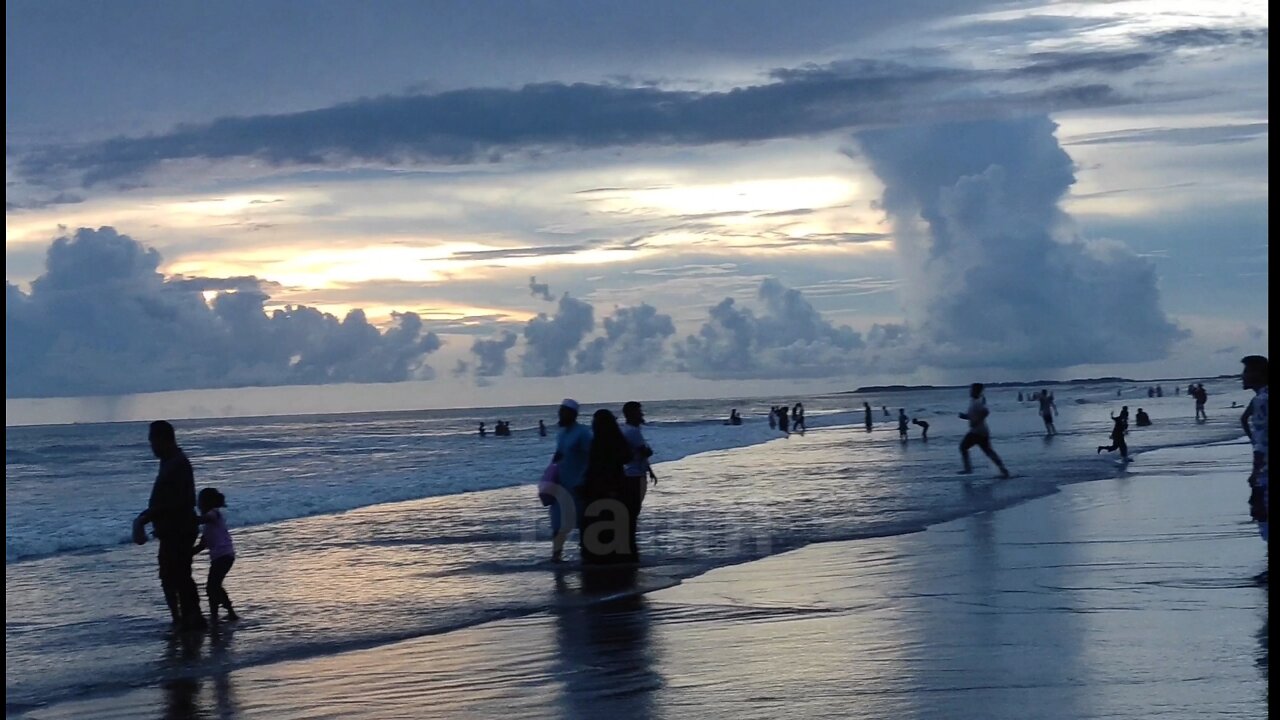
(485, 124)
(103, 320)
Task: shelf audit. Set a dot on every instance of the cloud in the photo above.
(1202, 37)
(634, 341)
(550, 341)
(1188, 136)
(519, 252)
(1045, 64)
(996, 276)
(491, 354)
(103, 320)
(477, 125)
(788, 337)
(541, 290)
(208, 284)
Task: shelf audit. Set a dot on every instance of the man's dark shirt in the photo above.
(173, 499)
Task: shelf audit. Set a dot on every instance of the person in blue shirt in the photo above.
(573, 451)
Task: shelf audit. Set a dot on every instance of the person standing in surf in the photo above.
(903, 424)
(222, 554)
(638, 472)
(1201, 396)
(573, 450)
(172, 514)
(1048, 408)
(1256, 378)
(1118, 430)
(866, 407)
(606, 539)
(979, 434)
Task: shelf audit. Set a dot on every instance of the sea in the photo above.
(358, 530)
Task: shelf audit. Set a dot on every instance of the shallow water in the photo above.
(359, 531)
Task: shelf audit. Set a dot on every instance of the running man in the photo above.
(1048, 408)
(978, 433)
(1118, 430)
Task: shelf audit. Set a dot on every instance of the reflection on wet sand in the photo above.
(606, 660)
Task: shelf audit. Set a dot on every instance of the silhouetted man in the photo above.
(171, 512)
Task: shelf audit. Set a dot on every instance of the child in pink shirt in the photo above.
(222, 554)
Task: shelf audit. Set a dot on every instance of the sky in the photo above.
(301, 207)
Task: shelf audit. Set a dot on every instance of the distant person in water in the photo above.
(773, 417)
(1118, 429)
(1202, 396)
(483, 432)
(903, 423)
(782, 419)
(734, 417)
(171, 511)
(1141, 418)
(924, 428)
(1159, 391)
(1256, 377)
(542, 429)
(979, 434)
(605, 535)
(573, 450)
(222, 554)
(867, 408)
(638, 471)
(1048, 408)
(885, 408)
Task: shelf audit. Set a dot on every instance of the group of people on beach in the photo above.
(595, 483)
(778, 418)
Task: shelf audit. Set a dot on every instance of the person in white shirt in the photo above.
(978, 433)
(638, 472)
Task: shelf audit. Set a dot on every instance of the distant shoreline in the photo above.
(1033, 383)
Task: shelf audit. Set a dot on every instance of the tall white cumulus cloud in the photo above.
(995, 274)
